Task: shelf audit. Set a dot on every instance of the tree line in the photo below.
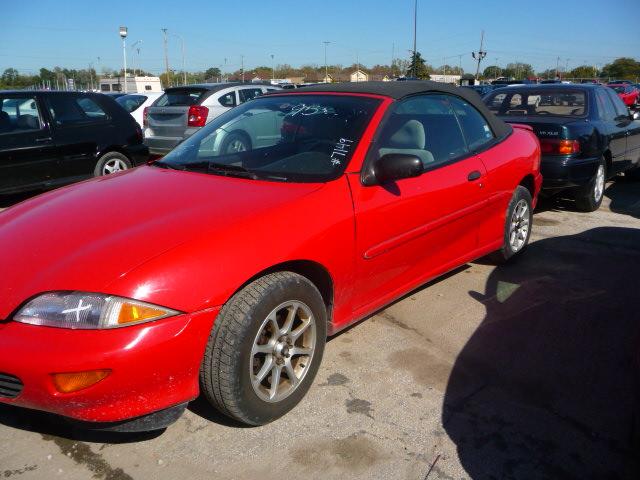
(59, 78)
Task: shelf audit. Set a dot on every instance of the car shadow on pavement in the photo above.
(625, 197)
(547, 386)
(54, 427)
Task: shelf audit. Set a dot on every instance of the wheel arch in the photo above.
(529, 183)
(312, 270)
(112, 148)
(608, 158)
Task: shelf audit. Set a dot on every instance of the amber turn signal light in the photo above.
(134, 313)
(72, 382)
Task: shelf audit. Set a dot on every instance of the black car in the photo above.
(483, 90)
(586, 135)
(48, 139)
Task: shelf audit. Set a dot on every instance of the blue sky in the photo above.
(72, 33)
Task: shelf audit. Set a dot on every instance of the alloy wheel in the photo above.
(519, 226)
(113, 165)
(282, 351)
(236, 146)
(598, 186)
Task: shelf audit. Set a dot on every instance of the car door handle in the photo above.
(44, 139)
(475, 175)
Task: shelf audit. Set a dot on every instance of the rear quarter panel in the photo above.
(508, 164)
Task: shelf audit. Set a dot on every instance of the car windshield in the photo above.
(537, 102)
(618, 88)
(300, 138)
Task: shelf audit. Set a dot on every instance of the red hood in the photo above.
(88, 235)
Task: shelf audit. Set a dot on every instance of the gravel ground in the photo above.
(521, 371)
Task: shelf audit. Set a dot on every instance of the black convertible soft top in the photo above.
(399, 90)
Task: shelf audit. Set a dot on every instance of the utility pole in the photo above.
(242, 66)
(326, 67)
(415, 34)
(566, 68)
(444, 65)
(558, 67)
(460, 66)
(166, 58)
(133, 47)
(479, 55)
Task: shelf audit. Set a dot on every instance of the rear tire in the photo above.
(111, 162)
(235, 142)
(246, 350)
(589, 197)
(517, 228)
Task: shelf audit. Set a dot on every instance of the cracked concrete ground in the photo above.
(521, 371)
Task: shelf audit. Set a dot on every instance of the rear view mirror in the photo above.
(396, 166)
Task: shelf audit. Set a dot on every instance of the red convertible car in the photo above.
(222, 268)
(627, 93)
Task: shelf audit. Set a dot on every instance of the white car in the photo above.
(135, 103)
(182, 111)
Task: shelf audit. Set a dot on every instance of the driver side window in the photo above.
(424, 126)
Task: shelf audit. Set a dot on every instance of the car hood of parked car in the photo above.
(90, 235)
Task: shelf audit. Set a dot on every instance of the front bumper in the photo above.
(565, 172)
(154, 366)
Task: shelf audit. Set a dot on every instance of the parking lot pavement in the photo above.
(520, 371)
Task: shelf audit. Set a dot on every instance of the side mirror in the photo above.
(396, 166)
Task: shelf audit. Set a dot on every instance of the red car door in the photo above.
(413, 229)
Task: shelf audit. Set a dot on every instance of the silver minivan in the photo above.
(182, 111)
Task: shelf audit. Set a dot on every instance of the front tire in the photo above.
(517, 228)
(589, 197)
(265, 348)
(111, 162)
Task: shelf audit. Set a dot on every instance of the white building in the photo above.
(455, 79)
(359, 76)
(134, 84)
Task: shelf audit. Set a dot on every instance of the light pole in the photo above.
(133, 47)
(91, 74)
(123, 35)
(184, 72)
(415, 32)
(273, 70)
(326, 67)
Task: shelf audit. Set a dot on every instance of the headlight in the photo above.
(88, 311)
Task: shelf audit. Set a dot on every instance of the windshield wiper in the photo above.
(227, 169)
